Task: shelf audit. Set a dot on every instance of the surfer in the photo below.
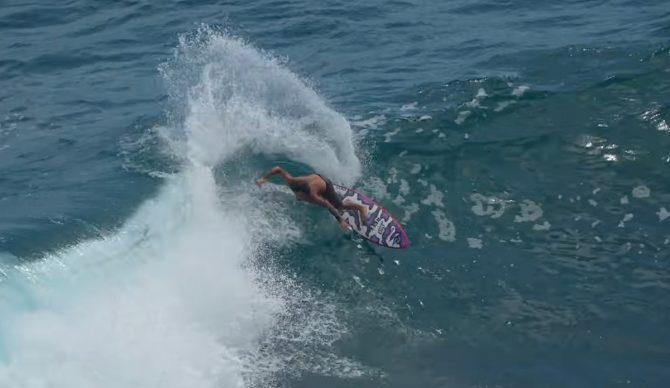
(318, 190)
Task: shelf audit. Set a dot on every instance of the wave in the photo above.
(187, 292)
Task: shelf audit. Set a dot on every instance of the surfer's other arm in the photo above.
(322, 202)
(336, 213)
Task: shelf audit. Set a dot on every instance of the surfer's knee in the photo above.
(349, 204)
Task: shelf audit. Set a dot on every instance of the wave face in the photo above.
(186, 294)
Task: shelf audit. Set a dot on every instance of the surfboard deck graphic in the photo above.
(380, 228)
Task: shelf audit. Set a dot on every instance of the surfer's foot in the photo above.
(363, 210)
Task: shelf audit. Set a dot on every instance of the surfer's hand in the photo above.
(260, 181)
(344, 226)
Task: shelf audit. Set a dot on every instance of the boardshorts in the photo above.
(330, 195)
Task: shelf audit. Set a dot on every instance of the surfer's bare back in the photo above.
(318, 190)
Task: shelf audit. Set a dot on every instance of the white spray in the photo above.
(171, 299)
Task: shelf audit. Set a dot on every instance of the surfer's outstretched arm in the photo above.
(275, 170)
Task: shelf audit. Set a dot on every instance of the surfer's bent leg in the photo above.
(362, 209)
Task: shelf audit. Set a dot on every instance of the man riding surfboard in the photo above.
(317, 190)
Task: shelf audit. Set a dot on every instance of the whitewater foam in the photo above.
(165, 301)
(185, 293)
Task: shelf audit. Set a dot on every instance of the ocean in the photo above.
(524, 145)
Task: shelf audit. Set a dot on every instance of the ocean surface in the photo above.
(524, 144)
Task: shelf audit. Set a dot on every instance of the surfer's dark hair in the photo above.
(299, 186)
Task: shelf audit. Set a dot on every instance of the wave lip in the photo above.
(241, 98)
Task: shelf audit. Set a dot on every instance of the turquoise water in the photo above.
(524, 145)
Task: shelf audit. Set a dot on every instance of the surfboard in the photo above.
(380, 228)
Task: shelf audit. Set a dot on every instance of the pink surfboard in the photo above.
(380, 228)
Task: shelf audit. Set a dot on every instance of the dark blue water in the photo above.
(524, 145)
